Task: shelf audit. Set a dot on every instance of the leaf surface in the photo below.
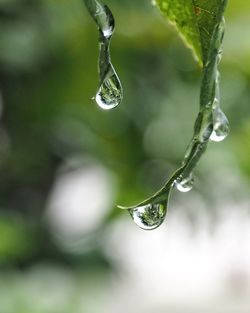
(195, 21)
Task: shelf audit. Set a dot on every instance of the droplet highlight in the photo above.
(149, 216)
(184, 184)
(109, 93)
(220, 126)
(102, 15)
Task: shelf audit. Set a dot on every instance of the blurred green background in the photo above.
(65, 163)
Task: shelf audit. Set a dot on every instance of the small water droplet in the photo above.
(221, 126)
(185, 184)
(149, 216)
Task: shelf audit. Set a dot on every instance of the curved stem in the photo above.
(203, 127)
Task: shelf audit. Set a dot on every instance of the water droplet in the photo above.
(109, 95)
(184, 184)
(149, 216)
(221, 126)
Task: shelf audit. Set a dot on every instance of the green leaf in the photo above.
(195, 21)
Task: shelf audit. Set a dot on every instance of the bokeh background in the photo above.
(65, 164)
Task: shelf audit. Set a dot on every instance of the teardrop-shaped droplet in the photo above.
(109, 94)
(221, 126)
(185, 184)
(149, 216)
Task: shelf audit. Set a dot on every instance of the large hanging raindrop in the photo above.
(109, 93)
(149, 216)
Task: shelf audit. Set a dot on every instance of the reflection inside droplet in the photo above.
(149, 216)
(184, 184)
(221, 126)
(109, 95)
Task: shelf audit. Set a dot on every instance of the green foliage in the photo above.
(195, 20)
(48, 65)
(17, 240)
